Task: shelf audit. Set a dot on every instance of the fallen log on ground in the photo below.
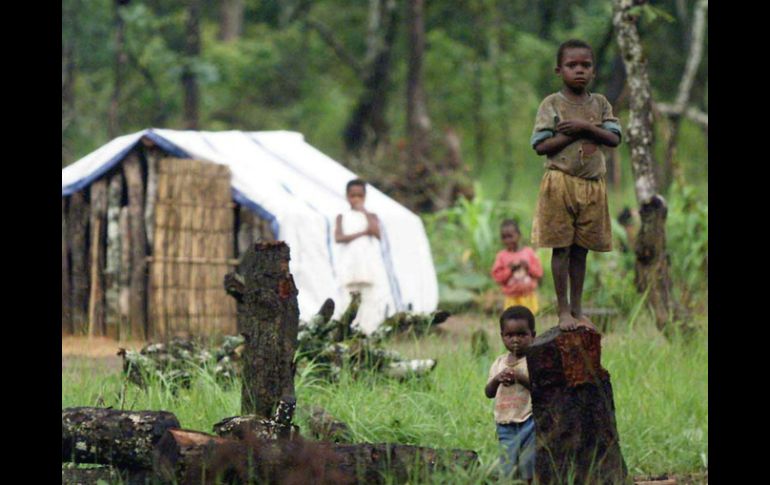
(574, 411)
(239, 427)
(370, 462)
(109, 436)
(324, 426)
(191, 457)
(100, 475)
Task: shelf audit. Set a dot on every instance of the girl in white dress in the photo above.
(360, 259)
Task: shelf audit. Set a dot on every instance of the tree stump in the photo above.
(574, 411)
(112, 437)
(268, 318)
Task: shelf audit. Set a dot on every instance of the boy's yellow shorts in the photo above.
(572, 210)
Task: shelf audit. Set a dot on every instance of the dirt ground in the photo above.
(97, 352)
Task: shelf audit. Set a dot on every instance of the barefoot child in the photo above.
(358, 233)
(517, 270)
(572, 216)
(508, 384)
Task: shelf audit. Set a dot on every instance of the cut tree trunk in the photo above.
(152, 155)
(77, 227)
(111, 437)
(114, 245)
(124, 276)
(268, 318)
(97, 255)
(574, 410)
(66, 296)
(652, 272)
(193, 457)
(137, 306)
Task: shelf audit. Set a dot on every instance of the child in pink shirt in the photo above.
(517, 271)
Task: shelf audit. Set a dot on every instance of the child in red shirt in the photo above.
(517, 271)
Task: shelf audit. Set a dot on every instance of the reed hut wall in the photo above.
(192, 234)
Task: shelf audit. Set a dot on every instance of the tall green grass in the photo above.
(660, 387)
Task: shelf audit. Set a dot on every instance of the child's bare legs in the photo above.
(577, 275)
(560, 267)
(568, 266)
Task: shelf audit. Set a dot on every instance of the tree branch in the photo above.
(694, 57)
(691, 112)
(339, 49)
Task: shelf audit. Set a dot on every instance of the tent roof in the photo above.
(299, 190)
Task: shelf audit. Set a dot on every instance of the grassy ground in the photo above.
(660, 386)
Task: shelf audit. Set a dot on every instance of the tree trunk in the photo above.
(192, 49)
(108, 436)
(137, 306)
(670, 170)
(66, 296)
(268, 317)
(152, 155)
(503, 121)
(230, 20)
(113, 266)
(546, 10)
(367, 128)
(97, 255)
(479, 132)
(574, 410)
(120, 63)
(418, 123)
(616, 83)
(77, 227)
(652, 271)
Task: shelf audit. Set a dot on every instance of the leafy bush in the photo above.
(465, 240)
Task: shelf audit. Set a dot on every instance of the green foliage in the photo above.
(688, 244)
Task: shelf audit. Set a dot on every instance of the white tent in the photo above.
(299, 190)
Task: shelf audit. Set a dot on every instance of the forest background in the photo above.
(339, 72)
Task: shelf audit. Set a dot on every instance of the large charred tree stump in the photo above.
(111, 437)
(268, 318)
(574, 411)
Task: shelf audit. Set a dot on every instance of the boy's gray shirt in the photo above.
(581, 158)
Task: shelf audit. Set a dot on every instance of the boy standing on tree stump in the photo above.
(572, 215)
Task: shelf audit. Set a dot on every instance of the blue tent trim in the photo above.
(164, 144)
